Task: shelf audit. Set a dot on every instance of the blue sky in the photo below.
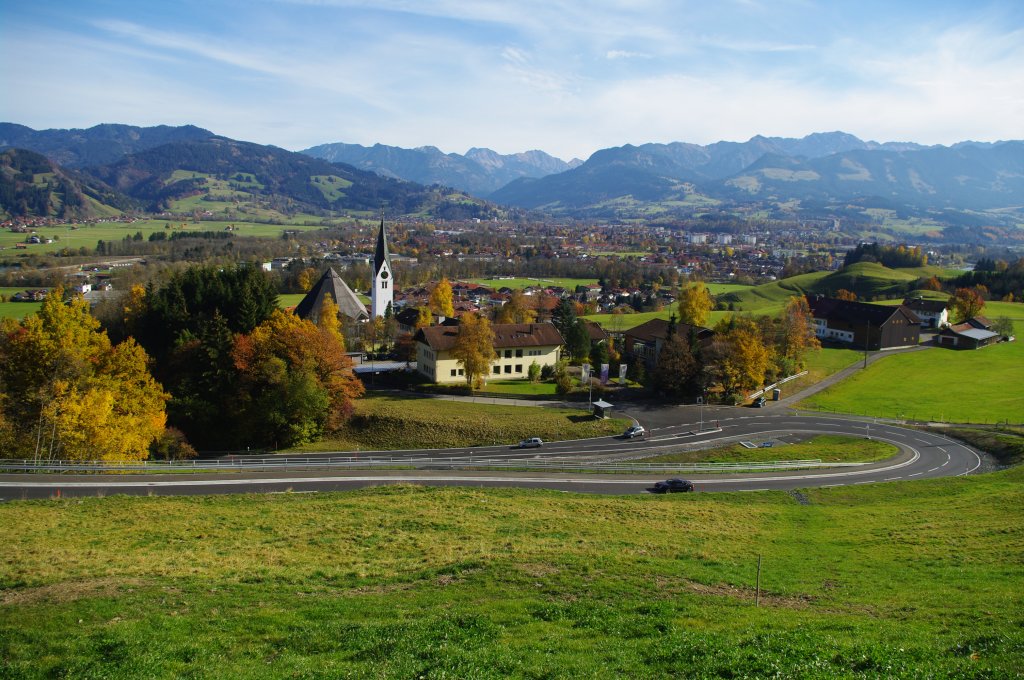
(565, 76)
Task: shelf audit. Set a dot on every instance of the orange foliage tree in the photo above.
(295, 382)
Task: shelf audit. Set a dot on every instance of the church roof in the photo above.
(348, 304)
(381, 254)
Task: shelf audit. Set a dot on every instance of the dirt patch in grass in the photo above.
(68, 591)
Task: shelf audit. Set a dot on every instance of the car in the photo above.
(531, 443)
(634, 431)
(759, 402)
(674, 485)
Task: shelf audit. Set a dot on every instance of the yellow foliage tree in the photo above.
(441, 299)
(474, 349)
(70, 394)
(329, 322)
(695, 304)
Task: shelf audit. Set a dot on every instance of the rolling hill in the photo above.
(98, 145)
(869, 280)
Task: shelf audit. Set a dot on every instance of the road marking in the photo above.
(915, 474)
(935, 468)
(890, 479)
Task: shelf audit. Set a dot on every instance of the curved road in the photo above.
(922, 455)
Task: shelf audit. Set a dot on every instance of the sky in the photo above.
(564, 76)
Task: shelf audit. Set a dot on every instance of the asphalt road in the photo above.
(922, 455)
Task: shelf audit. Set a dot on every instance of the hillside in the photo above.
(33, 186)
(219, 172)
(97, 145)
(869, 280)
(479, 171)
(903, 579)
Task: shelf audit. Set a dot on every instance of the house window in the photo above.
(519, 353)
(519, 368)
(508, 369)
(453, 372)
(508, 354)
(462, 371)
(497, 370)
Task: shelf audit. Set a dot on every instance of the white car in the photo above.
(531, 443)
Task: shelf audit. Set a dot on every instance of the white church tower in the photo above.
(382, 294)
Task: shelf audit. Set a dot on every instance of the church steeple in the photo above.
(382, 294)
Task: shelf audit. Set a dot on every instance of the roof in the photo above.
(506, 335)
(594, 331)
(969, 331)
(330, 282)
(658, 329)
(922, 305)
(381, 255)
(855, 313)
(980, 322)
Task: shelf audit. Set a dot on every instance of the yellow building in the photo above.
(517, 345)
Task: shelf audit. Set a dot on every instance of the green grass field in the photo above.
(830, 448)
(88, 235)
(16, 310)
(384, 423)
(977, 386)
(906, 579)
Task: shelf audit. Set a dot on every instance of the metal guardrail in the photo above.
(775, 384)
(466, 462)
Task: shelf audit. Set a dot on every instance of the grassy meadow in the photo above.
(938, 384)
(829, 448)
(906, 579)
(391, 422)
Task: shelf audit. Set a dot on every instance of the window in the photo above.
(453, 372)
(462, 371)
(497, 370)
(519, 353)
(519, 368)
(508, 354)
(508, 369)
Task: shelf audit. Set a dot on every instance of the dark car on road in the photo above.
(634, 431)
(673, 486)
(759, 402)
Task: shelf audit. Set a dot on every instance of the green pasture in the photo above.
(905, 579)
(829, 448)
(938, 384)
(75, 236)
(385, 423)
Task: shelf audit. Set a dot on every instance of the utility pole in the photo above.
(700, 404)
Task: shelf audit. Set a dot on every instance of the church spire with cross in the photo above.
(382, 294)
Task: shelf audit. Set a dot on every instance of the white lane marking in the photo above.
(915, 474)
(935, 468)
(891, 479)
(923, 441)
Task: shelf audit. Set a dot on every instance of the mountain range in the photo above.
(479, 171)
(165, 167)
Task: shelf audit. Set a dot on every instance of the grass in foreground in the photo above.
(830, 448)
(919, 579)
(386, 423)
(975, 386)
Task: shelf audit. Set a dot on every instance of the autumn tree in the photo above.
(932, 284)
(423, 317)
(797, 335)
(441, 299)
(695, 303)
(474, 349)
(296, 382)
(848, 295)
(738, 357)
(329, 321)
(516, 310)
(967, 303)
(676, 368)
(69, 393)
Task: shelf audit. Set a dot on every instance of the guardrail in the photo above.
(448, 463)
(775, 384)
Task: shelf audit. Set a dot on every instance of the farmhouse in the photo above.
(863, 325)
(644, 342)
(972, 334)
(933, 313)
(517, 345)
